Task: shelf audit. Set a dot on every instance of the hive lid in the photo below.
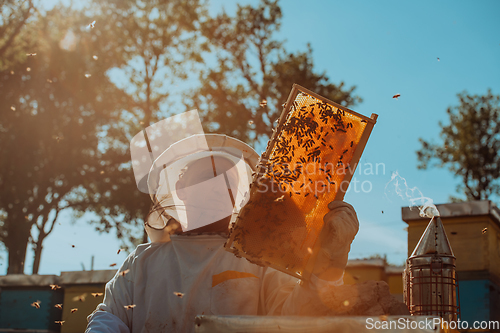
(434, 240)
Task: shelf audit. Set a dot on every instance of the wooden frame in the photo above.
(370, 122)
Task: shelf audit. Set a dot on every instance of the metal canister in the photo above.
(430, 285)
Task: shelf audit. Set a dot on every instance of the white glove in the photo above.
(341, 225)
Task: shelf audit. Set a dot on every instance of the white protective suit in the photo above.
(213, 281)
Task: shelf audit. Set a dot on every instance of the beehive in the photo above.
(309, 161)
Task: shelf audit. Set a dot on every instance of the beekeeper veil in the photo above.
(194, 178)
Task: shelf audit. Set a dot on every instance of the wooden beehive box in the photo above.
(309, 162)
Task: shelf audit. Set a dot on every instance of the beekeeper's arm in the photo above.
(111, 315)
(282, 295)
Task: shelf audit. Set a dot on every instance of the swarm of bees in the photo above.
(280, 223)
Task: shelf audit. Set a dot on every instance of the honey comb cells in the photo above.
(308, 163)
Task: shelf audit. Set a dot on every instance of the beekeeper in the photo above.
(198, 186)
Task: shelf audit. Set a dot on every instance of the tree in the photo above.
(156, 41)
(470, 145)
(242, 95)
(14, 16)
(56, 102)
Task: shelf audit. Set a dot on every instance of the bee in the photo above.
(112, 265)
(58, 306)
(280, 199)
(74, 310)
(484, 230)
(36, 304)
(54, 286)
(128, 307)
(80, 298)
(396, 96)
(438, 58)
(49, 80)
(95, 57)
(306, 195)
(28, 69)
(31, 54)
(250, 122)
(263, 103)
(119, 250)
(87, 75)
(91, 25)
(123, 273)
(178, 294)
(352, 142)
(60, 322)
(97, 294)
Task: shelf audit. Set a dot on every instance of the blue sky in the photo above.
(384, 48)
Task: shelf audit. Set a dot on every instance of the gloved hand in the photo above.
(341, 225)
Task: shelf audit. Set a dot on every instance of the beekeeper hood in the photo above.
(192, 177)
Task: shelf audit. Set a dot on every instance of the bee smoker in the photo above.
(429, 280)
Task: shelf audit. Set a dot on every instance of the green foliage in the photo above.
(470, 146)
(52, 115)
(243, 94)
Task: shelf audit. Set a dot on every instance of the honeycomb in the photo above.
(308, 163)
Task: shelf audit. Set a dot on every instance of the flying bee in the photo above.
(250, 122)
(396, 96)
(95, 57)
(128, 307)
(58, 306)
(80, 298)
(484, 230)
(123, 273)
(178, 294)
(112, 265)
(91, 25)
(97, 294)
(31, 54)
(263, 103)
(87, 75)
(60, 322)
(280, 199)
(54, 286)
(74, 310)
(36, 304)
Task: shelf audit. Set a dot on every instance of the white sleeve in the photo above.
(105, 322)
(282, 295)
(118, 294)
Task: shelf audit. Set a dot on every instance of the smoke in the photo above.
(411, 194)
